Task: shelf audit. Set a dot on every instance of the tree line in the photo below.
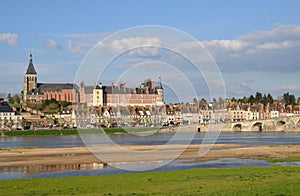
(258, 97)
(48, 106)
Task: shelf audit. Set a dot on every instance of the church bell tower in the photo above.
(30, 80)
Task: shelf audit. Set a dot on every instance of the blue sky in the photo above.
(255, 43)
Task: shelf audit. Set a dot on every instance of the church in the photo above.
(37, 92)
(147, 94)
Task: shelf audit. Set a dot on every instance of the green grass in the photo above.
(50, 132)
(276, 180)
(56, 132)
(289, 159)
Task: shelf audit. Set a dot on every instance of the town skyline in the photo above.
(254, 45)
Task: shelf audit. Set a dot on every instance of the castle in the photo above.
(147, 94)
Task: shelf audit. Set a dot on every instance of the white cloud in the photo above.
(287, 88)
(79, 48)
(275, 50)
(50, 43)
(137, 46)
(10, 38)
(278, 45)
(81, 43)
(279, 33)
(227, 44)
(87, 35)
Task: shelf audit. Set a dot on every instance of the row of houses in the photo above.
(247, 112)
(90, 116)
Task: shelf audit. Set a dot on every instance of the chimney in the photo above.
(134, 89)
(124, 85)
(119, 85)
(152, 84)
(112, 86)
(147, 89)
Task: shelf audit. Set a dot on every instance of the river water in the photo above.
(239, 138)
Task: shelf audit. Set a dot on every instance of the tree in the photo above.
(65, 103)
(35, 106)
(292, 100)
(288, 99)
(9, 98)
(13, 99)
(221, 100)
(195, 100)
(52, 108)
(47, 102)
(265, 100)
(258, 97)
(270, 98)
(251, 99)
(243, 100)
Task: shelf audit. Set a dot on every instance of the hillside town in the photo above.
(67, 105)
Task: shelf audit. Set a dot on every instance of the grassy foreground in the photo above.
(57, 132)
(276, 180)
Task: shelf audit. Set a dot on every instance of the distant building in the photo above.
(8, 118)
(147, 94)
(36, 92)
(86, 94)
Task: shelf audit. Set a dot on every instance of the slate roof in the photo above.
(42, 87)
(30, 69)
(55, 86)
(88, 89)
(4, 107)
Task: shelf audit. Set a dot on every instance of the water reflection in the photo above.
(96, 170)
(31, 169)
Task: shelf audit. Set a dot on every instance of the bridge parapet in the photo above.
(277, 124)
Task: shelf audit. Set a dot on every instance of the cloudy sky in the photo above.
(256, 44)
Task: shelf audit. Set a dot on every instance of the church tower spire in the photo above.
(30, 80)
(30, 69)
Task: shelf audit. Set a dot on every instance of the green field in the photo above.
(275, 180)
(56, 132)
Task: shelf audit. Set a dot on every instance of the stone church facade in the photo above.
(37, 92)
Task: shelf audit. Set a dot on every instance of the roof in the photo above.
(43, 87)
(30, 69)
(4, 107)
(88, 89)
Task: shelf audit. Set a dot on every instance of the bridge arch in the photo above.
(237, 127)
(257, 126)
(298, 124)
(281, 122)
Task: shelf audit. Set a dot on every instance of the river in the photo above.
(239, 138)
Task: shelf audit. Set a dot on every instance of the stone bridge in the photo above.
(278, 124)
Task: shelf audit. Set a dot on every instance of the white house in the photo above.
(8, 118)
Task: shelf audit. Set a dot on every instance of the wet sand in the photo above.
(80, 155)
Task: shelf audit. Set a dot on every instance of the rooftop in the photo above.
(30, 69)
